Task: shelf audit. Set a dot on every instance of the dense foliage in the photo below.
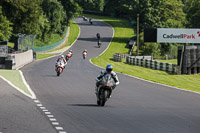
(47, 17)
(40, 17)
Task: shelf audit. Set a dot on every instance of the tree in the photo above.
(172, 15)
(71, 8)
(24, 14)
(94, 5)
(192, 9)
(5, 27)
(56, 16)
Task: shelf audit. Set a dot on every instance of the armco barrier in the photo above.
(117, 57)
(168, 67)
(15, 61)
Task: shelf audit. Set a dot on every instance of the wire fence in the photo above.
(25, 42)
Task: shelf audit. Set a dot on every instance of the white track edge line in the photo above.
(16, 87)
(33, 96)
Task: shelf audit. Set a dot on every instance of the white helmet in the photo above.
(62, 56)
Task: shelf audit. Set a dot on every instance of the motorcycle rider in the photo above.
(98, 36)
(70, 52)
(68, 55)
(85, 51)
(108, 70)
(62, 59)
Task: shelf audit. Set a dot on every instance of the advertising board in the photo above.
(170, 35)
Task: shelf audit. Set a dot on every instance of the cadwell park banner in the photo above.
(167, 35)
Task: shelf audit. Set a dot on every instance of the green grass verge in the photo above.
(15, 78)
(73, 34)
(11, 44)
(42, 56)
(173, 61)
(122, 33)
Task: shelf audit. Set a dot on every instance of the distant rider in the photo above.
(98, 36)
(85, 51)
(68, 55)
(62, 60)
(70, 52)
(108, 70)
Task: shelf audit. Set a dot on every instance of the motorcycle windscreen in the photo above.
(107, 80)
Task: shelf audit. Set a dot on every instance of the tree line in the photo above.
(40, 17)
(46, 17)
(152, 14)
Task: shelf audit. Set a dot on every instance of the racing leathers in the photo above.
(62, 60)
(104, 72)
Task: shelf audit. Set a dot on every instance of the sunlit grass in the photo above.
(122, 30)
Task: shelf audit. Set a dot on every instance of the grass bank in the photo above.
(15, 78)
(73, 34)
(118, 45)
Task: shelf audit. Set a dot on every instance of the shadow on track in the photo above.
(84, 105)
(50, 75)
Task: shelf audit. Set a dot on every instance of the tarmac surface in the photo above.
(19, 114)
(136, 106)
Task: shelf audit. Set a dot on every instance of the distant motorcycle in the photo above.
(84, 18)
(105, 89)
(99, 43)
(67, 56)
(84, 55)
(60, 67)
(90, 20)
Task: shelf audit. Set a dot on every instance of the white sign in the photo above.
(167, 35)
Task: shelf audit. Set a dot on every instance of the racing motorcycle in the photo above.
(99, 43)
(105, 89)
(60, 67)
(84, 55)
(67, 56)
(90, 20)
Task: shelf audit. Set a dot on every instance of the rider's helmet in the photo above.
(109, 68)
(85, 50)
(70, 51)
(62, 56)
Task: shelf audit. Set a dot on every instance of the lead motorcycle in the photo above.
(105, 89)
(60, 67)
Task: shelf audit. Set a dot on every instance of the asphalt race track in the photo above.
(19, 114)
(136, 106)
